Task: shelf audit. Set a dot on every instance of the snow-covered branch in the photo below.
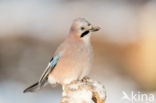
(84, 91)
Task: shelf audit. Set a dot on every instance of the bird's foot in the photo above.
(84, 79)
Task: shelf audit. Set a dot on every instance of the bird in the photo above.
(72, 60)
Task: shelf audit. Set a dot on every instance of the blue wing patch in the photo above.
(55, 60)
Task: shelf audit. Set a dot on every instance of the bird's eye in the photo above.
(82, 28)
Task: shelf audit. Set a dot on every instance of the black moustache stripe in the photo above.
(84, 33)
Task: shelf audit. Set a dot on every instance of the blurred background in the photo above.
(124, 48)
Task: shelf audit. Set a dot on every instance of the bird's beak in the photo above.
(92, 28)
(95, 28)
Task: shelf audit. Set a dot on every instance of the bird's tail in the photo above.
(32, 88)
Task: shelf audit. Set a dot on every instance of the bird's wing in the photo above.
(49, 68)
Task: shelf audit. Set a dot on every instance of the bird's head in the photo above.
(82, 29)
